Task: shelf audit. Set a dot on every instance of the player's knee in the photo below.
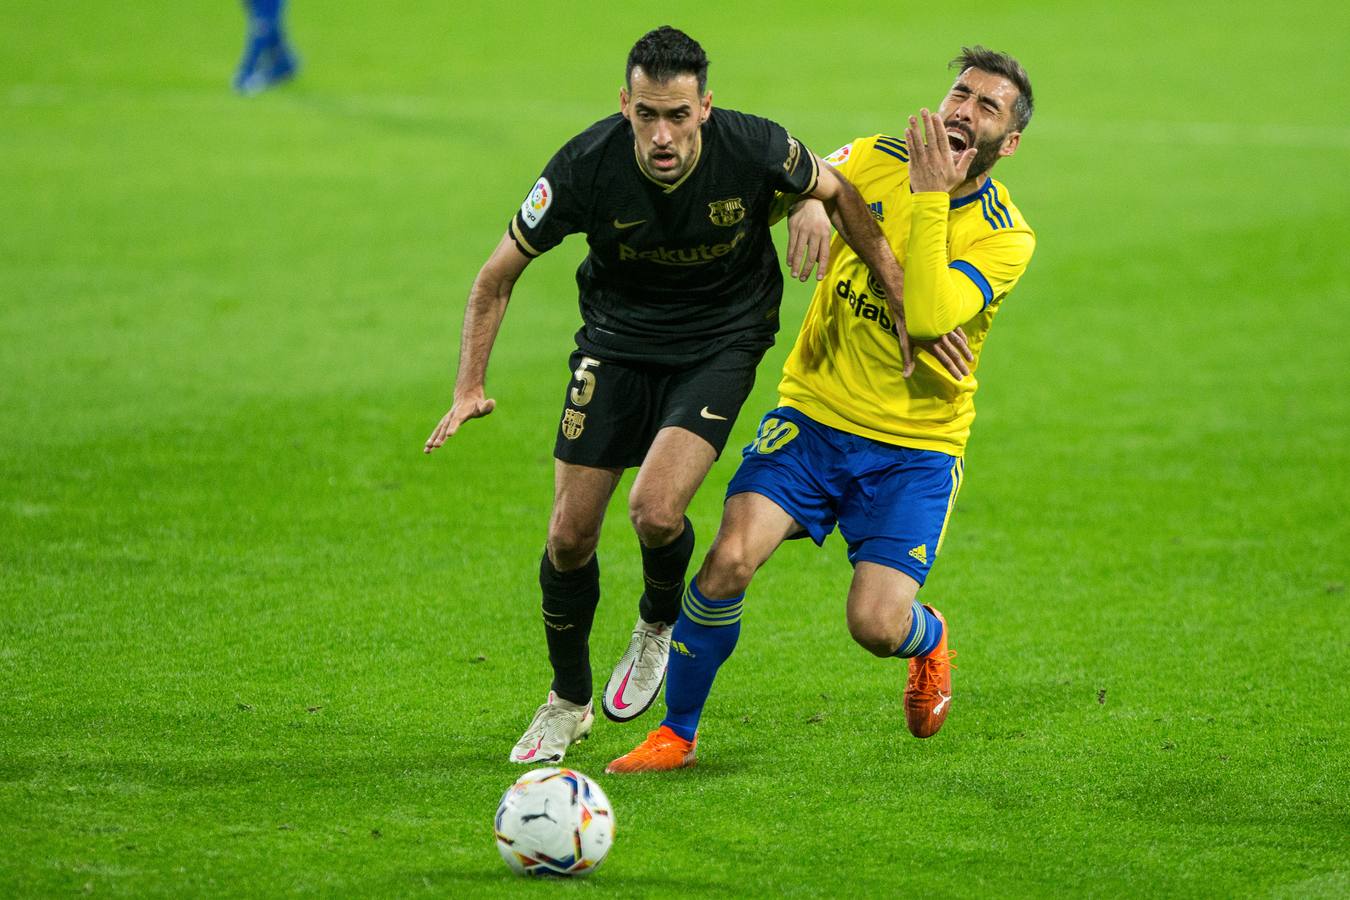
(727, 570)
(876, 634)
(876, 639)
(655, 522)
(570, 547)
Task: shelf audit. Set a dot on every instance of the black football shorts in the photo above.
(613, 410)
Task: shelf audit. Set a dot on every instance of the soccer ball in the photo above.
(554, 822)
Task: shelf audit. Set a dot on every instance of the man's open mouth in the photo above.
(958, 138)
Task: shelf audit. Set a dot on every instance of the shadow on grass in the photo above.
(608, 878)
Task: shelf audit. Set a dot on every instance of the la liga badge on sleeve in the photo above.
(537, 203)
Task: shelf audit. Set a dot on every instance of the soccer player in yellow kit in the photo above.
(853, 441)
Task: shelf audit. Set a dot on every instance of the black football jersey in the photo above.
(675, 272)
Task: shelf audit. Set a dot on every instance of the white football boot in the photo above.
(557, 725)
(637, 679)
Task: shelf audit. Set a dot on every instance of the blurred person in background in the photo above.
(268, 59)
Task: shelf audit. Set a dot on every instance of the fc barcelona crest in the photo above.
(726, 212)
(572, 424)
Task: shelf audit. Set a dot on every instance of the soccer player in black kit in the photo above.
(679, 300)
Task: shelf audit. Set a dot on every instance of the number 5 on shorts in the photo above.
(773, 433)
(582, 395)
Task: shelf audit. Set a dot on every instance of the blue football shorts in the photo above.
(891, 503)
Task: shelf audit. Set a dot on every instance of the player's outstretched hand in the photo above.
(931, 166)
(952, 351)
(808, 240)
(464, 409)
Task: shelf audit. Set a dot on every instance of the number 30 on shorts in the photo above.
(773, 434)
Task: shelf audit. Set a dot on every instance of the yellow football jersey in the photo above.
(961, 258)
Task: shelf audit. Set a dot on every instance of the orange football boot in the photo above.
(662, 751)
(928, 692)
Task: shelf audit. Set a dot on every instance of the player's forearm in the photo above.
(935, 303)
(861, 232)
(791, 204)
(482, 320)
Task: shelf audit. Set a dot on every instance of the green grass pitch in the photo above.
(252, 642)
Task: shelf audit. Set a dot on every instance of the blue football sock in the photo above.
(264, 26)
(704, 636)
(925, 630)
(269, 10)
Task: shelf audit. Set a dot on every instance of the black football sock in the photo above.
(663, 570)
(569, 604)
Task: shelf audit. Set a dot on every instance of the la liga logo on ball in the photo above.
(537, 203)
(554, 822)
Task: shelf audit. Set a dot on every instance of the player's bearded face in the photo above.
(666, 116)
(978, 113)
(986, 152)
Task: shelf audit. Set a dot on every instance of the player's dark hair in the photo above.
(664, 53)
(996, 63)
